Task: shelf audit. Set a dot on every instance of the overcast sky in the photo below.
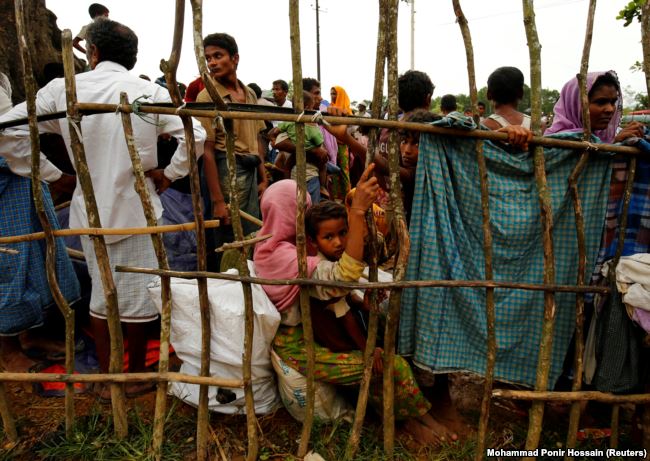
(348, 35)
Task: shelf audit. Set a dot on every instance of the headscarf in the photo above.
(568, 109)
(276, 257)
(342, 100)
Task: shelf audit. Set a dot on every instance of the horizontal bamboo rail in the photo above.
(120, 378)
(572, 396)
(108, 231)
(92, 108)
(353, 286)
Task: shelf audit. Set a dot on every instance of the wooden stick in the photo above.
(83, 176)
(541, 396)
(373, 320)
(161, 256)
(9, 251)
(400, 229)
(203, 417)
(249, 316)
(490, 314)
(75, 254)
(39, 203)
(243, 243)
(120, 378)
(536, 413)
(369, 285)
(8, 421)
(545, 141)
(645, 42)
(578, 368)
(301, 241)
(109, 231)
(250, 218)
(63, 205)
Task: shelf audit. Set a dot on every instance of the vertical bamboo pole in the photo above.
(401, 231)
(83, 176)
(169, 69)
(202, 432)
(645, 43)
(536, 414)
(373, 321)
(37, 192)
(161, 256)
(8, 422)
(490, 313)
(301, 241)
(574, 417)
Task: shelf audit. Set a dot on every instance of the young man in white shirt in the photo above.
(112, 50)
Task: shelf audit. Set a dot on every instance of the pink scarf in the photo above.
(568, 110)
(276, 257)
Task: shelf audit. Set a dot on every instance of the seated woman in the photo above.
(277, 258)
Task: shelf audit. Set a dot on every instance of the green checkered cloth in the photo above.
(445, 328)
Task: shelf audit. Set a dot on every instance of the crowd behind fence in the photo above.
(386, 63)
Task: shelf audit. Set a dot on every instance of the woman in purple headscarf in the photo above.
(605, 109)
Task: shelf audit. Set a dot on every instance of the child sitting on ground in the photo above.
(285, 140)
(337, 325)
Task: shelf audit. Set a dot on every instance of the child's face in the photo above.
(332, 237)
(409, 148)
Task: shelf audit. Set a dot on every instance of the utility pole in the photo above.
(317, 42)
(412, 3)
(412, 34)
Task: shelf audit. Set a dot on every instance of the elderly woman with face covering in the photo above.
(276, 258)
(605, 110)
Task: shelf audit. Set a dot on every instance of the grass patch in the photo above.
(93, 439)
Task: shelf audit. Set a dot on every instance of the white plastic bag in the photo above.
(227, 338)
(328, 405)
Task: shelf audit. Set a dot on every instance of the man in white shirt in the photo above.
(280, 90)
(112, 50)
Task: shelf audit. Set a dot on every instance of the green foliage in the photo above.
(632, 10)
(93, 439)
(549, 98)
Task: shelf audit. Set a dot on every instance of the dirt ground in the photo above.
(40, 423)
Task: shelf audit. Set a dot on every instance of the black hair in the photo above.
(415, 88)
(506, 85)
(309, 83)
(327, 209)
(282, 84)
(97, 9)
(417, 116)
(222, 40)
(607, 79)
(481, 104)
(114, 42)
(256, 88)
(448, 103)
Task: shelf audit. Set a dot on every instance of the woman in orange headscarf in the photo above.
(341, 182)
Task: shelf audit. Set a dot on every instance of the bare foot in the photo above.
(446, 412)
(441, 431)
(16, 362)
(421, 433)
(136, 389)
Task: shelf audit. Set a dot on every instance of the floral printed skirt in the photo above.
(346, 369)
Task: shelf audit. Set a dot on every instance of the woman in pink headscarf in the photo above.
(605, 109)
(276, 258)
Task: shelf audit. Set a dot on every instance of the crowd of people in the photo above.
(340, 191)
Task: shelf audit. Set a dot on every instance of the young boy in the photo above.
(337, 326)
(285, 140)
(97, 12)
(409, 151)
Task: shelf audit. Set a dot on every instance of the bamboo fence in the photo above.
(385, 70)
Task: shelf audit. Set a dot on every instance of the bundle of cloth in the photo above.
(444, 329)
